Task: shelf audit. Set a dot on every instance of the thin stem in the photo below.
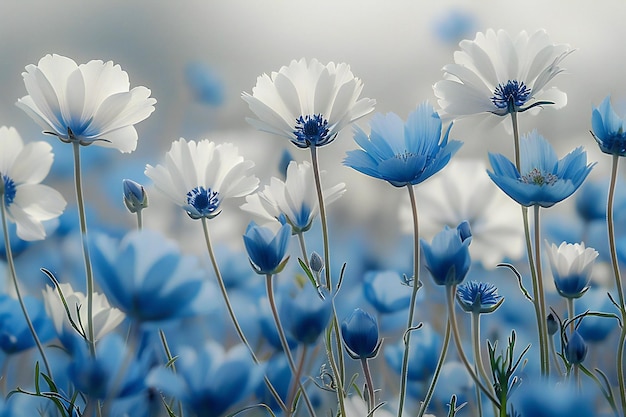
(476, 347)
(515, 124)
(170, 360)
(322, 207)
(283, 341)
(540, 297)
(231, 313)
(300, 368)
(12, 271)
(618, 282)
(570, 314)
(433, 382)
(369, 383)
(416, 286)
(85, 244)
(305, 256)
(557, 365)
(139, 220)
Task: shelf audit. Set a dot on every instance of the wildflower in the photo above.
(204, 83)
(571, 265)
(608, 129)
(307, 103)
(15, 336)
(403, 153)
(498, 74)
(423, 354)
(575, 349)
(543, 398)
(22, 168)
(199, 176)
(447, 258)
(306, 315)
(385, 291)
(360, 334)
(544, 180)
(478, 297)
(267, 249)
(87, 103)
(135, 197)
(295, 198)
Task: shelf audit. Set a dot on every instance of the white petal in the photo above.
(11, 145)
(39, 201)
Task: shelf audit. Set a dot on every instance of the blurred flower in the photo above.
(305, 315)
(360, 334)
(204, 83)
(454, 25)
(266, 248)
(199, 176)
(295, 197)
(15, 336)
(135, 197)
(553, 325)
(105, 317)
(386, 291)
(571, 266)
(22, 168)
(591, 201)
(307, 103)
(478, 297)
(423, 354)
(498, 74)
(593, 328)
(608, 129)
(87, 103)
(447, 258)
(544, 180)
(147, 278)
(403, 153)
(575, 349)
(543, 398)
(463, 191)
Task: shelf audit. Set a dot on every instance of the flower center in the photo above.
(536, 177)
(511, 95)
(202, 202)
(8, 190)
(311, 130)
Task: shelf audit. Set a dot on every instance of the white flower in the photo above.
(307, 103)
(87, 103)
(463, 191)
(498, 74)
(572, 265)
(22, 168)
(105, 317)
(295, 197)
(200, 176)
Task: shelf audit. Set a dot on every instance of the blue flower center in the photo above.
(8, 187)
(311, 130)
(511, 95)
(537, 177)
(202, 202)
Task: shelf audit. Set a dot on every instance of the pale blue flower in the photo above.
(386, 292)
(135, 197)
(15, 335)
(608, 129)
(447, 258)
(204, 83)
(266, 248)
(403, 153)
(544, 179)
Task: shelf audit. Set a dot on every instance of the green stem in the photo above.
(515, 124)
(540, 297)
(369, 383)
(433, 382)
(570, 314)
(320, 201)
(231, 313)
(416, 287)
(85, 244)
(283, 341)
(305, 256)
(139, 220)
(557, 365)
(294, 385)
(13, 273)
(170, 360)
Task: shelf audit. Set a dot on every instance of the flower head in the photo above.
(478, 297)
(498, 74)
(447, 258)
(87, 103)
(15, 334)
(544, 180)
(571, 265)
(295, 197)
(308, 103)
(403, 153)
(575, 349)
(608, 129)
(22, 168)
(199, 176)
(360, 334)
(267, 249)
(306, 314)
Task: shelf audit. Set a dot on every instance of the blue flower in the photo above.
(542, 398)
(575, 349)
(478, 297)
(447, 258)
(205, 85)
(544, 180)
(360, 334)
(572, 266)
(15, 336)
(306, 315)
(135, 197)
(146, 277)
(608, 129)
(423, 355)
(266, 249)
(386, 292)
(403, 153)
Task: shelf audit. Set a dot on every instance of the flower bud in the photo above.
(360, 334)
(575, 349)
(553, 326)
(447, 258)
(316, 262)
(135, 196)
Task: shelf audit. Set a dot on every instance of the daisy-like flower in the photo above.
(478, 297)
(295, 198)
(608, 129)
(498, 74)
(199, 176)
(572, 265)
(87, 103)
(308, 103)
(544, 179)
(22, 168)
(403, 153)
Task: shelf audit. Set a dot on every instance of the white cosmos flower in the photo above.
(572, 265)
(200, 176)
(22, 168)
(87, 103)
(105, 317)
(498, 74)
(308, 103)
(463, 191)
(295, 197)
